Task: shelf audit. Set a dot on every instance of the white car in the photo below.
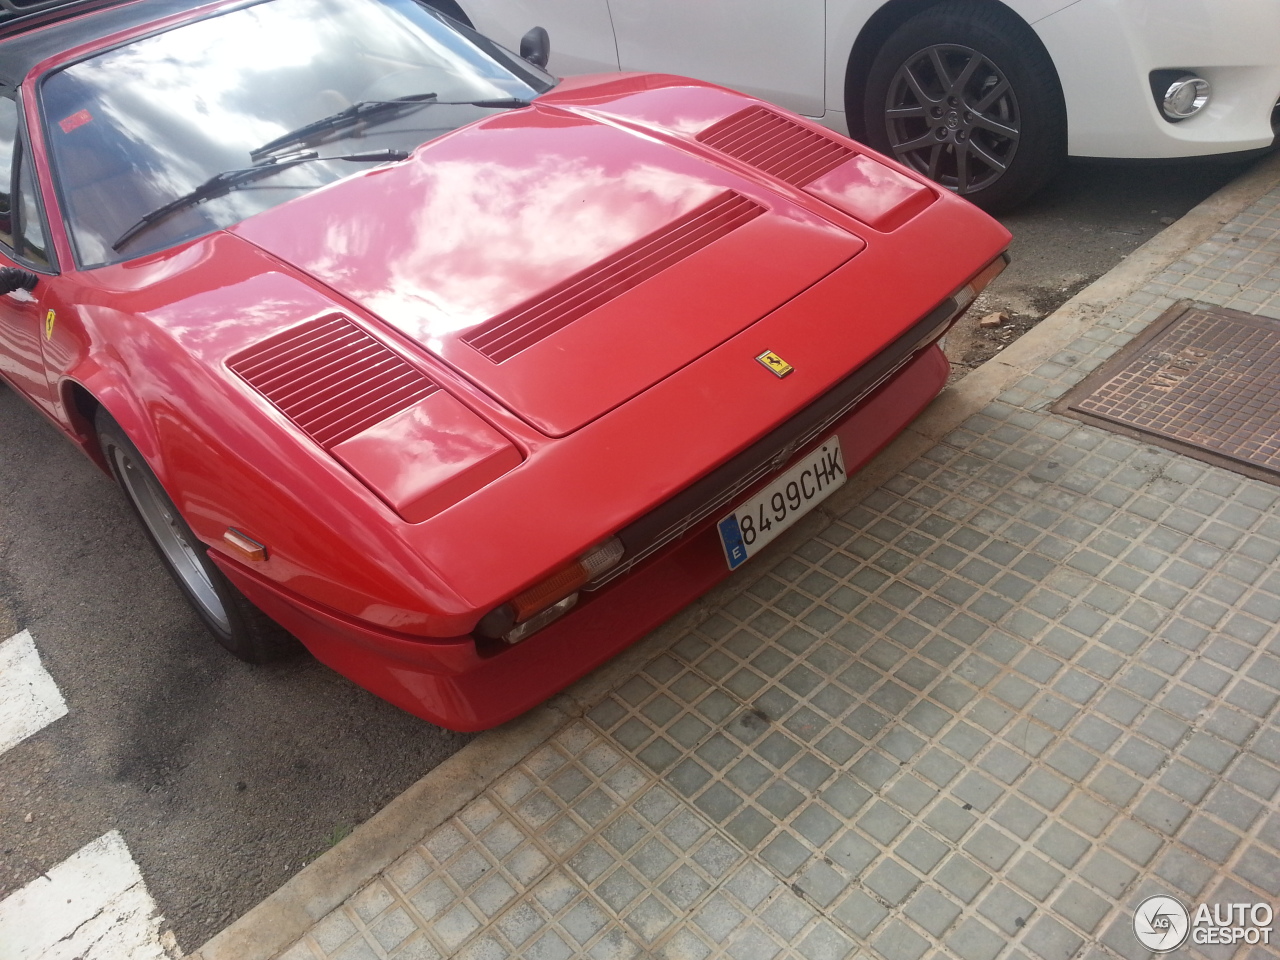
(984, 97)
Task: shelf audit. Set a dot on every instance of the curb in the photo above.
(288, 913)
(327, 882)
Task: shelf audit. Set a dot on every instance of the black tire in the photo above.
(243, 629)
(965, 94)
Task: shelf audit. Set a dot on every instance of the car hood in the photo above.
(561, 262)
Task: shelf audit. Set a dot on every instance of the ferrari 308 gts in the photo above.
(463, 376)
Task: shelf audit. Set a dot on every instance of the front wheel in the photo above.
(235, 623)
(964, 94)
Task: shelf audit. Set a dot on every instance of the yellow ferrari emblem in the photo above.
(49, 319)
(775, 363)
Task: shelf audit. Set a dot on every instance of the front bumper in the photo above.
(456, 684)
(1105, 50)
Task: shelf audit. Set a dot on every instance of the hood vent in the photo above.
(780, 147)
(520, 328)
(331, 378)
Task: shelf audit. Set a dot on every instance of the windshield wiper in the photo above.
(223, 183)
(364, 110)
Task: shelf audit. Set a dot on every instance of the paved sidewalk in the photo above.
(1023, 676)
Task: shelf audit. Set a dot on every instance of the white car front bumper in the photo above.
(1105, 51)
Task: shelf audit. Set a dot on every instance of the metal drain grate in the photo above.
(1202, 380)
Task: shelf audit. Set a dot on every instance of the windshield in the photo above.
(136, 127)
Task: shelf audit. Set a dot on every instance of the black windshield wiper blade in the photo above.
(512, 102)
(223, 183)
(359, 112)
(346, 117)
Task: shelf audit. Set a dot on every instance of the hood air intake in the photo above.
(780, 147)
(520, 328)
(331, 378)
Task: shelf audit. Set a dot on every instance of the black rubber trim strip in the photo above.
(15, 13)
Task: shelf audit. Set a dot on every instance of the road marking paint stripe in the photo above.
(29, 699)
(92, 906)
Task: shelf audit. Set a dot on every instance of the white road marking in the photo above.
(92, 906)
(29, 699)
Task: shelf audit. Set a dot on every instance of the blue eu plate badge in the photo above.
(731, 536)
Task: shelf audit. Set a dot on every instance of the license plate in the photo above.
(751, 527)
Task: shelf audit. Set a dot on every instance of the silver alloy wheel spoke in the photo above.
(153, 506)
(903, 149)
(939, 68)
(980, 152)
(918, 89)
(952, 114)
(999, 90)
(966, 74)
(986, 123)
(934, 156)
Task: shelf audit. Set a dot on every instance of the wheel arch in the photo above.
(878, 28)
(83, 396)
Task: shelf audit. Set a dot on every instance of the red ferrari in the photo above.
(463, 376)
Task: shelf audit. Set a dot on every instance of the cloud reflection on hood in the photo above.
(460, 239)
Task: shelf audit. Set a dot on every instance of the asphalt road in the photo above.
(225, 779)
(1073, 232)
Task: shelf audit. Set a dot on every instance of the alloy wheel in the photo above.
(170, 534)
(952, 115)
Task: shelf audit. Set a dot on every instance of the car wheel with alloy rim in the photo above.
(964, 94)
(235, 623)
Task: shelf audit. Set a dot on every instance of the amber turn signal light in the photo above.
(567, 579)
(244, 547)
(549, 598)
(541, 595)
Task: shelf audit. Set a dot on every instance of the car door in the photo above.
(22, 245)
(581, 31)
(766, 48)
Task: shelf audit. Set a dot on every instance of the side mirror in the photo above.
(535, 46)
(11, 279)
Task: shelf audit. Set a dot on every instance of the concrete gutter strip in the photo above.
(282, 918)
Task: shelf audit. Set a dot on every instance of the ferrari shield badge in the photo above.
(49, 319)
(775, 364)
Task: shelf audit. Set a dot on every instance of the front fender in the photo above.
(102, 387)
